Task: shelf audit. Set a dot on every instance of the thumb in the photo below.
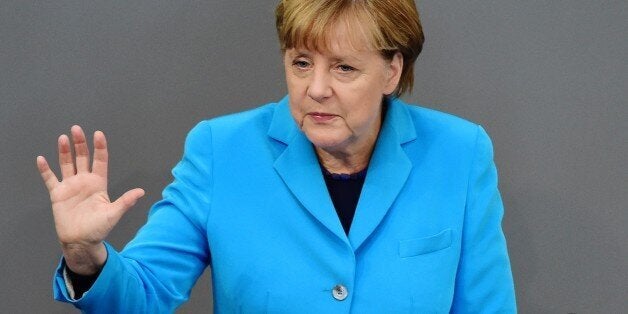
(127, 200)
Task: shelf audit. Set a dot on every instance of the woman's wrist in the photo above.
(84, 260)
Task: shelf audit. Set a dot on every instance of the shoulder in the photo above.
(433, 126)
(432, 121)
(253, 119)
(233, 126)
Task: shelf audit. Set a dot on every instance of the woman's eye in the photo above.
(345, 68)
(301, 64)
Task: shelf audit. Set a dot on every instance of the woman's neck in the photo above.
(345, 162)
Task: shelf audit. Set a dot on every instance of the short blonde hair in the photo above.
(391, 26)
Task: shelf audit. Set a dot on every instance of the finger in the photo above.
(127, 200)
(65, 157)
(80, 149)
(101, 155)
(50, 179)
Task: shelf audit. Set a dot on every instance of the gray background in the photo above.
(546, 78)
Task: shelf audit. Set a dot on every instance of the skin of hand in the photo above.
(82, 211)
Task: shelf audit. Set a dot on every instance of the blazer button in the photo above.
(340, 292)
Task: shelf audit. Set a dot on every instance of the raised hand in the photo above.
(83, 213)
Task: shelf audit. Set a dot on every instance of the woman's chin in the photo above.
(326, 142)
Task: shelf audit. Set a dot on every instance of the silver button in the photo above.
(340, 292)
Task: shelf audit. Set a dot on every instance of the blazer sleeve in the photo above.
(484, 282)
(156, 271)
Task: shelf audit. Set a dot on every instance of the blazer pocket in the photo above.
(419, 246)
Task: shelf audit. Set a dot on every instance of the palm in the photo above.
(82, 210)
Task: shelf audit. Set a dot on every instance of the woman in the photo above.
(338, 198)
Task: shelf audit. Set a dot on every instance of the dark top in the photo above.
(344, 190)
(81, 283)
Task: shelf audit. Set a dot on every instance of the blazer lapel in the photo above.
(388, 171)
(299, 168)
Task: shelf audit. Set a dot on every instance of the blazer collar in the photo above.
(282, 126)
(387, 173)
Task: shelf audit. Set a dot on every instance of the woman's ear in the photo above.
(395, 66)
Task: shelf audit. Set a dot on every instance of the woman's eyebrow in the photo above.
(346, 58)
(297, 53)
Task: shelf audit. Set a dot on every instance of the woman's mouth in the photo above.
(321, 117)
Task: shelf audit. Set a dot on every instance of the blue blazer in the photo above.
(248, 199)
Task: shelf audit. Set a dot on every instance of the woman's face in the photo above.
(336, 94)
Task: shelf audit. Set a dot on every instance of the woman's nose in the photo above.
(320, 87)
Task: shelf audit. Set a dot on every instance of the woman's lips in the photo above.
(321, 117)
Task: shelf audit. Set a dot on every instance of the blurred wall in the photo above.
(547, 79)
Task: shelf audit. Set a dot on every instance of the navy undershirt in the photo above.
(81, 283)
(344, 190)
